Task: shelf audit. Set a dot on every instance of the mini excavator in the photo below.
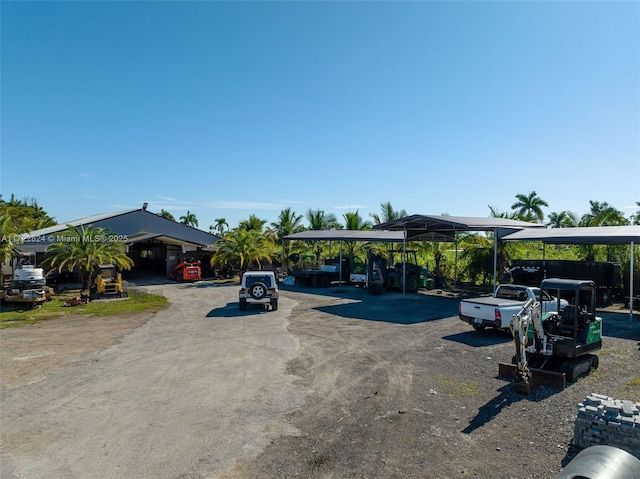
(554, 348)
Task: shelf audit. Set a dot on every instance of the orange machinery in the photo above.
(188, 269)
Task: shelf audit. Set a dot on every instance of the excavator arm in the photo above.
(530, 313)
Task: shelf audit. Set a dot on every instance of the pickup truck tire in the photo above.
(479, 327)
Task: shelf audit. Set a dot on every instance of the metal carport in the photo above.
(444, 228)
(348, 235)
(589, 235)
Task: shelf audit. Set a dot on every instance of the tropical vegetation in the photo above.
(82, 249)
(256, 243)
(18, 217)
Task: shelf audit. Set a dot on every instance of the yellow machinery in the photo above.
(107, 283)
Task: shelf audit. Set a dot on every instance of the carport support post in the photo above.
(340, 262)
(455, 265)
(283, 271)
(495, 258)
(631, 285)
(404, 262)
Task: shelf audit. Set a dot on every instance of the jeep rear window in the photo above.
(266, 280)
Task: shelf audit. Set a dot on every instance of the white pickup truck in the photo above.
(496, 311)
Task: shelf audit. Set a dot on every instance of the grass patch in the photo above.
(450, 387)
(630, 389)
(14, 315)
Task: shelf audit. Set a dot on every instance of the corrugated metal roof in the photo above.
(131, 224)
(347, 235)
(454, 223)
(87, 220)
(443, 227)
(588, 235)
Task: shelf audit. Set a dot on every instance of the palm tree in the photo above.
(189, 219)
(477, 254)
(388, 214)
(26, 215)
(246, 248)
(288, 223)
(9, 238)
(556, 220)
(252, 223)
(353, 221)
(529, 207)
(603, 214)
(564, 219)
(166, 214)
(494, 212)
(319, 220)
(478, 258)
(635, 218)
(84, 249)
(571, 219)
(221, 224)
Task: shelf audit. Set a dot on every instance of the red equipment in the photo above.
(188, 269)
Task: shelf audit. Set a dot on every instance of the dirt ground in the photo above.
(377, 386)
(32, 353)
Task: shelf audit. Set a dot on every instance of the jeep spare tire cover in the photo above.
(258, 290)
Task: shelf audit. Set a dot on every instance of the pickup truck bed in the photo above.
(491, 301)
(496, 312)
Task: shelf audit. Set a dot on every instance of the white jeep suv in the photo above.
(259, 287)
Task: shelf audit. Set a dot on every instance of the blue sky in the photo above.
(228, 109)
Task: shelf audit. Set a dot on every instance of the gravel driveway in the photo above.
(336, 383)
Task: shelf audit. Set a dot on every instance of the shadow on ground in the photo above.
(231, 310)
(619, 325)
(507, 397)
(478, 339)
(397, 309)
(334, 291)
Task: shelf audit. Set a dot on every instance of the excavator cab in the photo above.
(577, 330)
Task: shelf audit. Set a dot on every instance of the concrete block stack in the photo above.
(602, 420)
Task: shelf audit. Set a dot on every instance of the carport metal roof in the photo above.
(590, 235)
(348, 235)
(443, 227)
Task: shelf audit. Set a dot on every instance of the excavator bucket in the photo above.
(539, 377)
